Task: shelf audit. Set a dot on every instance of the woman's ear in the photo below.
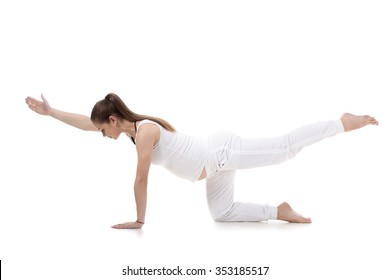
(113, 120)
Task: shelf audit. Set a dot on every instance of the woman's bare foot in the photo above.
(286, 213)
(351, 122)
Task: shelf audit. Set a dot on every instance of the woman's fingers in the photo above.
(31, 99)
(31, 104)
(119, 226)
(130, 225)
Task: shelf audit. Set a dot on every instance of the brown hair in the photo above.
(112, 105)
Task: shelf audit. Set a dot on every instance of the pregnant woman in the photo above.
(214, 158)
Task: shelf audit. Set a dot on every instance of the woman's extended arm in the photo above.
(76, 120)
(146, 139)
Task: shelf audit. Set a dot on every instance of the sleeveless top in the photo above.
(183, 155)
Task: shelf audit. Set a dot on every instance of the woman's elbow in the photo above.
(141, 182)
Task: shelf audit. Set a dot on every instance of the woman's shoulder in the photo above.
(146, 121)
(148, 129)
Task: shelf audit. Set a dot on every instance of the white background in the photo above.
(258, 68)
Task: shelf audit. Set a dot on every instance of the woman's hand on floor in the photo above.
(129, 225)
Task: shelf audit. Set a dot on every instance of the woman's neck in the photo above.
(128, 127)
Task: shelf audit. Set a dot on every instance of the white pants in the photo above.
(229, 152)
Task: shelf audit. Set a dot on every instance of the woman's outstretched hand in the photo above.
(41, 107)
(129, 225)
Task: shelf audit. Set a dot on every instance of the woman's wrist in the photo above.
(51, 112)
(138, 221)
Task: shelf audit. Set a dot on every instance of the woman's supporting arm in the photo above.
(147, 136)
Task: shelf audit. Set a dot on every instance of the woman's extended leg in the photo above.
(249, 153)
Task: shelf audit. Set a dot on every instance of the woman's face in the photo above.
(110, 129)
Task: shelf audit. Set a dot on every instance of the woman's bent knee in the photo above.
(221, 216)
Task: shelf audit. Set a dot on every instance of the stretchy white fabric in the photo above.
(222, 153)
(183, 155)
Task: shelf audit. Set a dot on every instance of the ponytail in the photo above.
(112, 105)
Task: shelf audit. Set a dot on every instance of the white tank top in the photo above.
(183, 155)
